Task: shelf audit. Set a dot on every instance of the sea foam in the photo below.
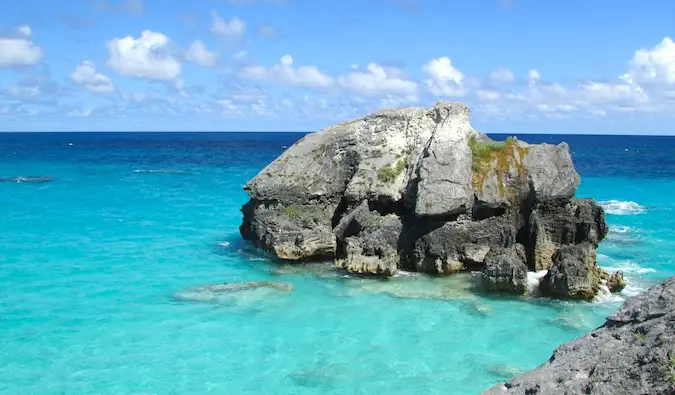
(618, 207)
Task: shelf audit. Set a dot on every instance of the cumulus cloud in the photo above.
(232, 29)
(145, 57)
(85, 74)
(198, 54)
(285, 73)
(502, 75)
(443, 78)
(378, 80)
(18, 49)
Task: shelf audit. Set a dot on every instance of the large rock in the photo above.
(632, 353)
(505, 270)
(555, 224)
(574, 274)
(444, 184)
(418, 189)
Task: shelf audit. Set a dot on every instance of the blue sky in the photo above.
(524, 66)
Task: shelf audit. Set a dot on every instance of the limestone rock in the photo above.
(418, 189)
(616, 282)
(444, 185)
(550, 172)
(505, 271)
(632, 353)
(574, 274)
(449, 247)
(290, 232)
(555, 224)
(368, 242)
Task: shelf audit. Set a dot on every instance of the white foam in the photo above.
(533, 282)
(618, 207)
(224, 244)
(622, 229)
(627, 267)
(604, 295)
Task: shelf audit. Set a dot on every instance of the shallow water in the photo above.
(91, 263)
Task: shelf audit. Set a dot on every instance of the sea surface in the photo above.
(94, 268)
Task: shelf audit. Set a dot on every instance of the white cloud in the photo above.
(19, 50)
(197, 53)
(377, 80)
(145, 57)
(85, 74)
(80, 112)
(533, 76)
(653, 65)
(234, 28)
(444, 79)
(501, 74)
(285, 73)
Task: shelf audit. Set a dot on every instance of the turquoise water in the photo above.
(90, 263)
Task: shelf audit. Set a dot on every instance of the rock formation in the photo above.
(419, 189)
(632, 353)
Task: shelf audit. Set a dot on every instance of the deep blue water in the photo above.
(90, 263)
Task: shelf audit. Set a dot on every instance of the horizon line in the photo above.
(306, 132)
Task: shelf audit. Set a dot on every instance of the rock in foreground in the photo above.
(632, 353)
(419, 189)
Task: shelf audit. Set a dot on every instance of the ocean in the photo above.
(91, 263)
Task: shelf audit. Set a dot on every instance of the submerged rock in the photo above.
(632, 353)
(418, 189)
(27, 179)
(214, 292)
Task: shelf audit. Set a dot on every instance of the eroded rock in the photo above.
(632, 353)
(419, 189)
(574, 274)
(505, 271)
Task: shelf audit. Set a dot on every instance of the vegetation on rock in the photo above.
(389, 173)
(497, 156)
(291, 211)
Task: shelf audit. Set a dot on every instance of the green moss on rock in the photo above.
(389, 173)
(291, 211)
(488, 156)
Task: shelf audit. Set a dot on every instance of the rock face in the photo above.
(505, 270)
(632, 353)
(418, 189)
(574, 274)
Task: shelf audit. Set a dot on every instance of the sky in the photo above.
(523, 66)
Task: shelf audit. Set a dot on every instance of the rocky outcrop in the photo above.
(574, 274)
(419, 189)
(505, 270)
(616, 282)
(632, 353)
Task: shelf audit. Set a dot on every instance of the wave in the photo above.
(627, 267)
(624, 235)
(622, 229)
(618, 207)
